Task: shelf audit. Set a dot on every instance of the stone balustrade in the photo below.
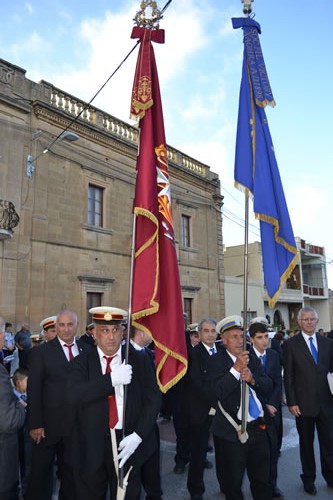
(74, 107)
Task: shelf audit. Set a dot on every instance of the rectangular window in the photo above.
(94, 299)
(186, 231)
(188, 310)
(95, 205)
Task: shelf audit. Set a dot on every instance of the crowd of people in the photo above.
(87, 407)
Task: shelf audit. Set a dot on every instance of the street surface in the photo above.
(174, 486)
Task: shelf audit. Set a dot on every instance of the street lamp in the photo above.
(65, 136)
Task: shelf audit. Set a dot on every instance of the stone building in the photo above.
(71, 245)
(307, 285)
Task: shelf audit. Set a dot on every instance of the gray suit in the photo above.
(12, 415)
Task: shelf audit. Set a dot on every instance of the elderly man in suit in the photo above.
(51, 418)
(12, 416)
(202, 405)
(270, 361)
(233, 370)
(96, 386)
(308, 357)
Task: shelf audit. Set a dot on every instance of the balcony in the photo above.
(314, 291)
(8, 219)
(311, 249)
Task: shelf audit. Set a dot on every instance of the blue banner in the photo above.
(256, 169)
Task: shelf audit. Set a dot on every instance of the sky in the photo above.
(77, 44)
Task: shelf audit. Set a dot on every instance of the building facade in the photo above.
(307, 286)
(66, 214)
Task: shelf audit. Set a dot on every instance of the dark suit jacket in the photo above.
(48, 373)
(12, 415)
(202, 396)
(228, 391)
(305, 382)
(273, 370)
(88, 390)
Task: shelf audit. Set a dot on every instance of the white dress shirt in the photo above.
(236, 374)
(119, 389)
(75, 349)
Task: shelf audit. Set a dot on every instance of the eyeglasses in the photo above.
(308, 320)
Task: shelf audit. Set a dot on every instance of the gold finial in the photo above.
(142, 19)
(247, 9)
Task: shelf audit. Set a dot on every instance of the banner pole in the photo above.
(127, 341)
(245, 300)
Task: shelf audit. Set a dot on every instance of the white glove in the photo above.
(127, 447)
(121, 374)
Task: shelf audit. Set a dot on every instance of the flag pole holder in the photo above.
(142, 17)
(247, 8)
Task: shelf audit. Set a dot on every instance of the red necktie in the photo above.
(70, 352)
(113, 412)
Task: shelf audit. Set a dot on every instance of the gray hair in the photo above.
(73, 313)
(307, 309)
(206, 320)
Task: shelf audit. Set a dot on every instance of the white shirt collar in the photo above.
(136, 346)
(208, 348)
(102, 354)
(307, 338)
(259, 354)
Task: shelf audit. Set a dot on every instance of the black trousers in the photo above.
(151, 472)
(306, 428)
(43, 456)
(198, 448)
(273, 432)
(252, 456)
(94, 485)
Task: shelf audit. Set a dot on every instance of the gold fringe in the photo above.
(274, 222)
(273, 300)
(167, 353)
(141, 109)
(153, 218)
(263, 104)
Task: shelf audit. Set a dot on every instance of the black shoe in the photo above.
(179, 469)
(277, 493)
(310, 489)
(208, 464)
(196, 497)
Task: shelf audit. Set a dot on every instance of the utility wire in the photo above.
(98, 91)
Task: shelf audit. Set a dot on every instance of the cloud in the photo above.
(204, 107)
(28, 7)
(103, 43)
(33, 44)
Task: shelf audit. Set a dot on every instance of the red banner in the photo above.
(156, 295)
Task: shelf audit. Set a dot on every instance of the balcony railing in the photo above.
(314, 249)
(314, 291)
(74, 106)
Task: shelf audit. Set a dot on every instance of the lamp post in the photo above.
(65, 136)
